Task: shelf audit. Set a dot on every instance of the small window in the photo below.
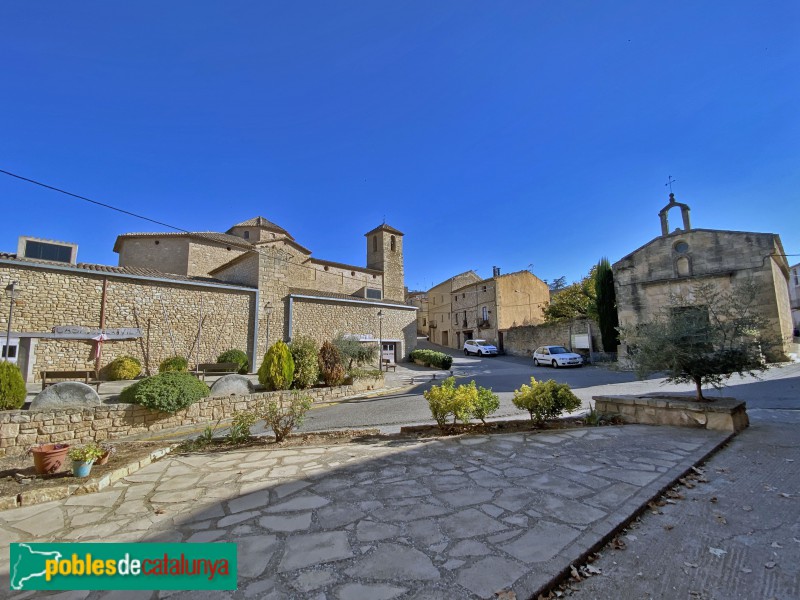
(374, 294)
(484, 288)
(374, 243)
(12, 351)
(683, 267)
(424, 321)
(485, 313)
(45, 251)
(392, 243)
(327, 268)
(463, 296)
(681, 247)
(247, 235)
(352, 273)
(157, 242)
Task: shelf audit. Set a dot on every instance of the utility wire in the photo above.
(104, 205)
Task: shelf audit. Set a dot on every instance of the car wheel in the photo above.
(480, 352)
(535, 363)
(466, 352)
(555, 364)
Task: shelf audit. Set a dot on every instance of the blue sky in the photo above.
(491, 133)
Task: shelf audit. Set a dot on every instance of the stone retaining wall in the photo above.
(21, 429)
(523, 340)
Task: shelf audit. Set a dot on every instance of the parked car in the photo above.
(479, 347)
(556, 356)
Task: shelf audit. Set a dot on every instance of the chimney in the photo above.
(495, 271)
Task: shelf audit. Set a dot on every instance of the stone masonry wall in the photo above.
(522, 341)
(49, 298)
(21, 429)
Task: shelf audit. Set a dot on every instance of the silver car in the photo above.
(556, 356)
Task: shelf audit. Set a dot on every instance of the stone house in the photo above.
(488, 308)
(199, 294)
(794, 298)
(419, 300)
(672, 262)
(440, 316)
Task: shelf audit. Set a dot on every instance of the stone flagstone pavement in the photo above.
(459, 517)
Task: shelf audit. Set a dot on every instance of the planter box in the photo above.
(723, 414)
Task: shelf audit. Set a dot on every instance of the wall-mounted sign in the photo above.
(78, 332)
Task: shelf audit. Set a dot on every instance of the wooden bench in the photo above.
(215, 369)
(86, 377)
(388, 364)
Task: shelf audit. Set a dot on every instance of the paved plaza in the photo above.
(460, 517)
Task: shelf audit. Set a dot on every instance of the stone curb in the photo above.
(607, 529)
(93, 484)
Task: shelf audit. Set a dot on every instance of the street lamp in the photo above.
(11, 291)
(268, 311)
(380, 340)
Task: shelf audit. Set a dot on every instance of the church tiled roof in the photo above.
(265, 223)
(220, 238)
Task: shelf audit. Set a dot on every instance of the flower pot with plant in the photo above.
(83, 458)
(49, 458)
(108, 450)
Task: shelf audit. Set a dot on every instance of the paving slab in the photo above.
(457, 517)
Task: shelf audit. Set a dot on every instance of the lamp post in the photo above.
(268, 311)
(10, 289)
(380, 340)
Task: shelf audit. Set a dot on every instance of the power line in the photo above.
(103, 204)
(138, 216)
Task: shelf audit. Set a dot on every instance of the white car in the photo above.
(479, 347)
(556, 356)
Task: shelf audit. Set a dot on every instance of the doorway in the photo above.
(445, 341)
(388, 352)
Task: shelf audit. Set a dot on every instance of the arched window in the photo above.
(374, 243)
(392, 243)
(683, 267)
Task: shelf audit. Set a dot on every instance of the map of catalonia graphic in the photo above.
(30, 564)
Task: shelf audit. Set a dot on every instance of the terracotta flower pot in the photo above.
(103, 459)
(49, 458)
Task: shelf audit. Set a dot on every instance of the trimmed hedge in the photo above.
(277, 370)
(167, 392)
(173, 364)
(123, 368)
(12, 387)
(431, 358)
(235, 356)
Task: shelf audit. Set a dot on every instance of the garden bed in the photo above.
(21, 486)
(508, 426)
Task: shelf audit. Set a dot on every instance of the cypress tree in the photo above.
(606, 305)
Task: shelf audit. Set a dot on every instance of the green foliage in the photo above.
(167, 392)
(354, 352)
(431, 358)
(277, 370)
(88, 453)
(447, 400)
(704, 337)
(330, 364)
(123, 368)
(173, 364)
(575, 301)
(283, 416)
(486, 403)
(545, 400)
(239, 431)
(306, 362)
(12, 387)
(235, 356)
(606, 301)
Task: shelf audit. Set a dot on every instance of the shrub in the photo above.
(365, 373)
(448, 399)
(431, 358)
(277, 370)
(239, 431)
(123, 368)
(353, 351)
(545, 400)
(12, 387)
(173, 364)
(306, 362)
(282, 417)
(167, 392)
(330, 364)
(235, 356)
(486, 404)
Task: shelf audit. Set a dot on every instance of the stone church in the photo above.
(671, 262)
(198, 294)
